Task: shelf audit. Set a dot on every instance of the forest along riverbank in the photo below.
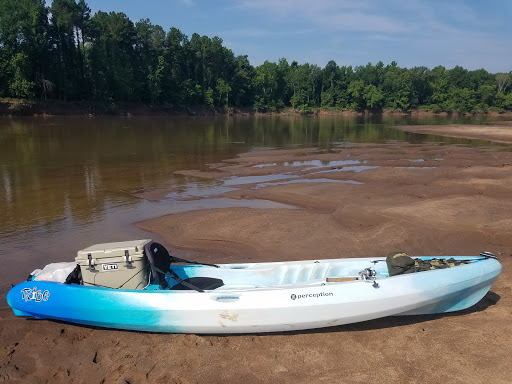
(355, 200)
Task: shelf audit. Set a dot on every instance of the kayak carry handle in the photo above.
(488, 255)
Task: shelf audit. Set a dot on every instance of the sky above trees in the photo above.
(471, 33)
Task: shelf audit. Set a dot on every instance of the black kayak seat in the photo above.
(160, 263)
(204, 283)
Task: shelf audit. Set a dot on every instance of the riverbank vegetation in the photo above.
(63, 52)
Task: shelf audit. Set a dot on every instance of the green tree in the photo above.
(371, 74)
(480, 77)
(83, 28)
(397, 88)
(209, 61)
(155, 78)
(314, 85)
(266, 81)
(503, 102)
(20, 86)
(503, 81)
(284, 91)
(67, 61)
(223, 90)
(4, 68)
(179, 87)
(330, 77)
(242, 82)
(485, 97)
(421, 86)
(373, 97)
(149, 71)
(356, 90)
(23, 41)
(209, 98)
(459, 78)
(305, 84)
(341, 87)
(461, 100)
(440, 89)
(112, 57)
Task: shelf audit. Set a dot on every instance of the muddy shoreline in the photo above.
(355, 200)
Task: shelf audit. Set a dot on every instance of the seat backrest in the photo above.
(160, 262)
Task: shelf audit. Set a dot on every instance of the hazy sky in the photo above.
(471, 33)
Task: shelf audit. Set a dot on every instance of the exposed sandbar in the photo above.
(499, 131)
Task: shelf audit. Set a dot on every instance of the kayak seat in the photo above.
(204, 283)
(159, 261)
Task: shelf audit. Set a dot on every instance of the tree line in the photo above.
(64, 52)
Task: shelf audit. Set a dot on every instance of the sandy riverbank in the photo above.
(423, 199)
(499, 131)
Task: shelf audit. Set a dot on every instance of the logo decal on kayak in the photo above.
(310, 295)
(109, 267)
(35, 294)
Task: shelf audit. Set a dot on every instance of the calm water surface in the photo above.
(68, 182)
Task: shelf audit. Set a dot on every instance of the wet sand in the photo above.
(423, 199)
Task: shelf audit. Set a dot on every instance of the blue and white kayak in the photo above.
(263, 297)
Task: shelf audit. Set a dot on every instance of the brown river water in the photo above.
(70, 182)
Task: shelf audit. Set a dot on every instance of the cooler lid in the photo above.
(113, 249)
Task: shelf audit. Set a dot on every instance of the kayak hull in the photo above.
(260, 307)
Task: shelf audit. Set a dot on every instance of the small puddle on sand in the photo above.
(354, 168)
(204, 191)
(314, 164)
(239, 180)
(421, 160)
(173, 206)
(199, 190)
(416, 167)
(263, 185)
(265, 165)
